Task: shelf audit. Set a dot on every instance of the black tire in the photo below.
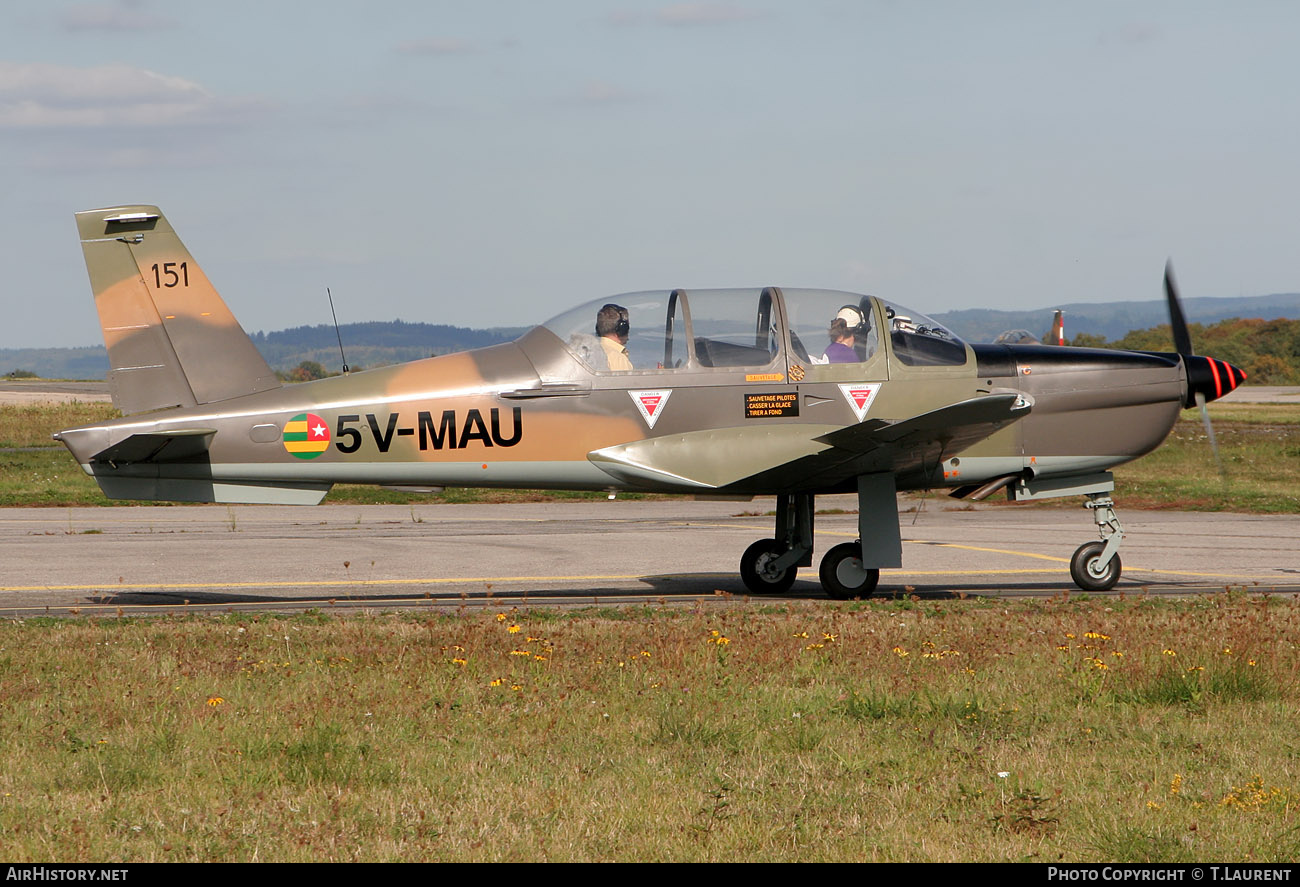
(843, 576)
(1083, 568)
(756, 574)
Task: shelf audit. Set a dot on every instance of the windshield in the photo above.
(918, 340)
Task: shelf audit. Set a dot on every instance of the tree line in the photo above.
(1268, 350)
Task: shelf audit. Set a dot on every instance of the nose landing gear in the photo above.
(1096, 565)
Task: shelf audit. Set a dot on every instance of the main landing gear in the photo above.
(770, 566)
(1096, 565)
(843, 575)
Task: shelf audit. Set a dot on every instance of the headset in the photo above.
(854, 318)
(621, 328)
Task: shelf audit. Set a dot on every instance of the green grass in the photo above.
(1061, 730)
(1259, 445)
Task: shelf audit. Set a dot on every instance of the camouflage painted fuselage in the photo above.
(211, 423)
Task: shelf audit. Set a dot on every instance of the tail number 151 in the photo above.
(170, 274)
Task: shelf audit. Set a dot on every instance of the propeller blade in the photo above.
(1209, 432)
(1177, 323)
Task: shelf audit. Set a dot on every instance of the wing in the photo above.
(777, 457)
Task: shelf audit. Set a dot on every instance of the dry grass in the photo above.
(1121, 730)
(1259, 447)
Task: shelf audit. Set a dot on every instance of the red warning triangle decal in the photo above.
(650, 404)
(860, 395)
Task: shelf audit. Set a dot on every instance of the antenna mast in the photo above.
(336, 330)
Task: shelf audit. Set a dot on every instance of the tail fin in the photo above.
(171, 339)
(1057, 335)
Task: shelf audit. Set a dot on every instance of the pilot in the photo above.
(848, 326)
(612, 327)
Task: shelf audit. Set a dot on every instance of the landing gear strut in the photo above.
(770, 566)
(1096, 565)
(849, 570)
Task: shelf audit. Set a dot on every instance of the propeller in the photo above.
(1198, 380)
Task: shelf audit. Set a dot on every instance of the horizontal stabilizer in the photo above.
(160, 446)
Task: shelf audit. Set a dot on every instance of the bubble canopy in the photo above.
(751, 328)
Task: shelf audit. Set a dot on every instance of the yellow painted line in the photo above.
(490, 580)
(1046, 557)
(316, 583)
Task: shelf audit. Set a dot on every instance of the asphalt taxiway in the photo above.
(214, 558)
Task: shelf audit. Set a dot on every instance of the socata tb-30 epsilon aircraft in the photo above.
(792, 392)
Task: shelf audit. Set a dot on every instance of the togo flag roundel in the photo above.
(306, 436)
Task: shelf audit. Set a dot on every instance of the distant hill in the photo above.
(377, 343)
(380, 343)
(1114, 320)
(371, 344)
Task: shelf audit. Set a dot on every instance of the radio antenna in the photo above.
(336, 330)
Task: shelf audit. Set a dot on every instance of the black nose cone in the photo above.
(1210, 378)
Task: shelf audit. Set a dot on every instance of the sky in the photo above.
(494, 163)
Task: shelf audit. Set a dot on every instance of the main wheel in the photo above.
(843, 575)
(757, 572)
(1086, 569)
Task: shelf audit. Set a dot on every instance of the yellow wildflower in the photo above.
(214, 701)
(501, 617)
(514, 629)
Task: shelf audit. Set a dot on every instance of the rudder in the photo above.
(171, 339)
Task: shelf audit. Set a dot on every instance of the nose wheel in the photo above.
(1090, 572)
(1096, 565)
(843, 575)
